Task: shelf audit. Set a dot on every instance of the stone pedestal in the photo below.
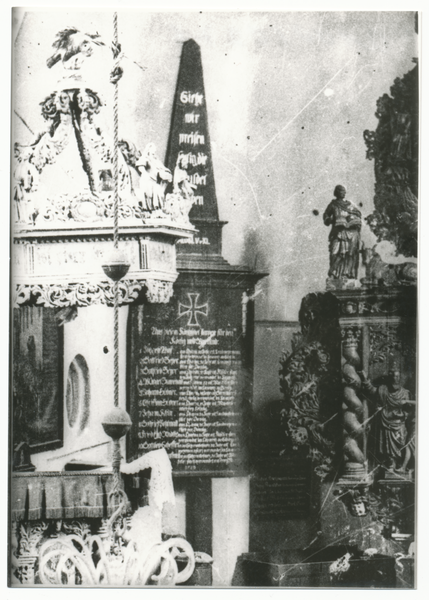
(230, 526)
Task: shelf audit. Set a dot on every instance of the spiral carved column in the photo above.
(353, 409)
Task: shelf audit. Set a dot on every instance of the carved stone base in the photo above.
(391, 475)
(333, 284)
(356, 474)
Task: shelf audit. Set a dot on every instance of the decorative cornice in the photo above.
(59, 295)
(69, 237)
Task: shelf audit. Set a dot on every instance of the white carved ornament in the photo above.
(57, 295)
(120, 554)
(69, 560)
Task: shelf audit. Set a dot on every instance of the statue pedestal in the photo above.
(333, 284)
(355, 474)
(396, 476)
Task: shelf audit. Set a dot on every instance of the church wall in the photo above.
(271, 338)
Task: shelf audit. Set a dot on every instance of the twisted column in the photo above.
(353, 409)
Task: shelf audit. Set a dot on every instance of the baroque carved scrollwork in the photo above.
(57, 295)
(394, 147)
(86, 552)
(303, 373)
(26, 540)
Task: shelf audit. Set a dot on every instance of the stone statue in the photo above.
(154, 179)
(344, 238)
(181, 182)
(396, 433)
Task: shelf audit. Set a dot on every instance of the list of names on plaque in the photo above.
(278, 498)
(189, 395)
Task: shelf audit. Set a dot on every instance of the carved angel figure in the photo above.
(182, 184)
(153, 180)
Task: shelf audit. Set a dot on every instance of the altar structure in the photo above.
(335, 459)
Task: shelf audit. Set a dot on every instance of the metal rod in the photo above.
(115, 135)
(116, 211)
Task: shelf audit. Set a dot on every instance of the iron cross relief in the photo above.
(192, 310)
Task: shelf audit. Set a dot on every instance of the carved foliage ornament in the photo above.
(385, 341)
(158, 291)
(87, 294)
(301, 373)
(394, 147)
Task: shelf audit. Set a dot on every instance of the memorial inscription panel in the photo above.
(188, 390)
(283, 493)
(280, 488)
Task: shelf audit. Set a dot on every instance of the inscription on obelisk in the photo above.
(189, 146)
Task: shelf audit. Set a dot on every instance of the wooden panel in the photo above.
(37, 378)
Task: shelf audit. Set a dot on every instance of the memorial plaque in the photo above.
(282, 494)
(190, 383)
(280, 488)
(279, 498)
(189, 386)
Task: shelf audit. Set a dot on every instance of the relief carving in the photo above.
(395, 434)
(78, 294)
(386, 341)
(68, 173)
